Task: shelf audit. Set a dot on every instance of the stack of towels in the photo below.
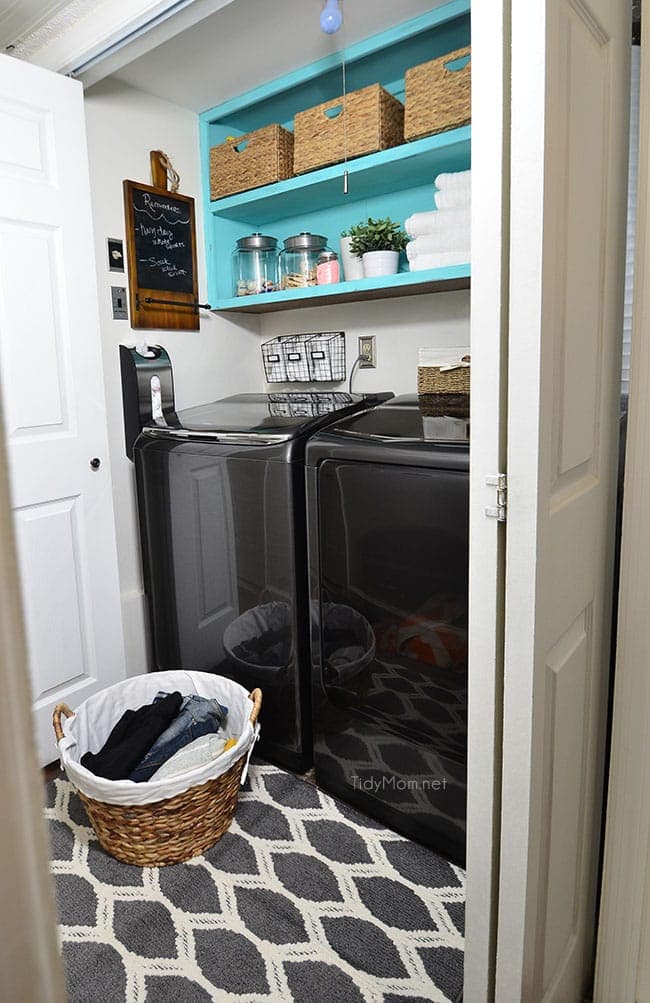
(442, 237)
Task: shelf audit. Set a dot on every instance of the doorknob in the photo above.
(95, 463)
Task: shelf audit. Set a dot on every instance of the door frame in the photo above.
(627, 825)
(489, 343)
(30, 964)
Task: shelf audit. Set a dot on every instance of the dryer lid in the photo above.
(408, 419)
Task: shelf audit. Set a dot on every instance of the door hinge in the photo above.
(500, 510)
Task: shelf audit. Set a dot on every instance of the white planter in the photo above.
(352, 266)
(380, 263)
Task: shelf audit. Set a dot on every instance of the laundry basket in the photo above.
(166, 821)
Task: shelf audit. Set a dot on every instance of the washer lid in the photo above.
(258, 418)
(403, 419)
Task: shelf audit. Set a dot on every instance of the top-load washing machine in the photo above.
(221, 499)
(388, 516)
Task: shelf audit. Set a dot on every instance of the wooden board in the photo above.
(161, 255)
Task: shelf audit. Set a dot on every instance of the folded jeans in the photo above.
(197, 716)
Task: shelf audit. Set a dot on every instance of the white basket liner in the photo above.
(95, 718)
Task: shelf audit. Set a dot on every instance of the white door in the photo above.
(568, 142)
(53, 396)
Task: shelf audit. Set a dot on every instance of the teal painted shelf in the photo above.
(396, 182)
(411, 165)
(403, 284)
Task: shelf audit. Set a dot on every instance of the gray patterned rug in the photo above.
(302, 900)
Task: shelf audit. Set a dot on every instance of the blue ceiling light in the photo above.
(331, 17)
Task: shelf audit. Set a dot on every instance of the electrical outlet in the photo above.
(368, 350)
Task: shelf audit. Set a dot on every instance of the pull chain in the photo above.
(345, 115)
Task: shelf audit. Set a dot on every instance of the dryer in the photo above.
(388, 516)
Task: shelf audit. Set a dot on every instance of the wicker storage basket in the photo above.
(437, 95)
(258, 158)
(170, 830)
(437, 380)
(371, 120)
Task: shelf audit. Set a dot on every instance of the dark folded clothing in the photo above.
(131, 738)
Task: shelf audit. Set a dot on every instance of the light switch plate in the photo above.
(118, 299)
(115, 252)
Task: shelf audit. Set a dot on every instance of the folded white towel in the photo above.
(441, 260)
(437, 221)
(452, 198)
(455, 179)
(457, 239)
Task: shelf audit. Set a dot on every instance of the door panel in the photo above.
(568, 211)
(53, 396)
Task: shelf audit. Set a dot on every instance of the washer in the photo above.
(221, 499)
(388, 514)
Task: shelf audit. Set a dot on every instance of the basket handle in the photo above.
(457, 64)
(334, 111)
(61, 708)
(256, 697)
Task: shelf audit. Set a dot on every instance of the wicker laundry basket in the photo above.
(365, 121)
(170, 830)
(257, 158)
(438, 95)
(443, 379)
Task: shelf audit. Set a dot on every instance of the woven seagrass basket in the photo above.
(365, 121)
(258, 158)
(168, 831)
(438, 95)
(443, 380)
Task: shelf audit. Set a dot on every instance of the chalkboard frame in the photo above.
(180, 311)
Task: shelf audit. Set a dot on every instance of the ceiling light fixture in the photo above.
(331, 17)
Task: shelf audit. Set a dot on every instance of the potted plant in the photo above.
(378, 243)
(352, 265)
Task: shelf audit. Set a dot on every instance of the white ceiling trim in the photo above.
(83, 30)
(53, 28)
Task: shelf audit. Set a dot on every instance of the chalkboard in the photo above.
(161, 252)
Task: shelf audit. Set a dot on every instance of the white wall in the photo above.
(401, 326)
(123, 125)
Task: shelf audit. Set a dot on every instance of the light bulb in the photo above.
(331, 17)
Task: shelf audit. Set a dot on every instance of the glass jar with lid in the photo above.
(255, 265)
(299, 260)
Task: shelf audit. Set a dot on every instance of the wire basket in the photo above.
(305, 358)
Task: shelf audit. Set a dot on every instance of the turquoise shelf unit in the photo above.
(395, 182)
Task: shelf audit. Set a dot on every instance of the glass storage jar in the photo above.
(299, 259)
(255, 265)
(327, 269)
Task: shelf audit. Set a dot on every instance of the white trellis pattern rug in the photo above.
(303, 899)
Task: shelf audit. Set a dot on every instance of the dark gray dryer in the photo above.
(388, 517)
(221, 499)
